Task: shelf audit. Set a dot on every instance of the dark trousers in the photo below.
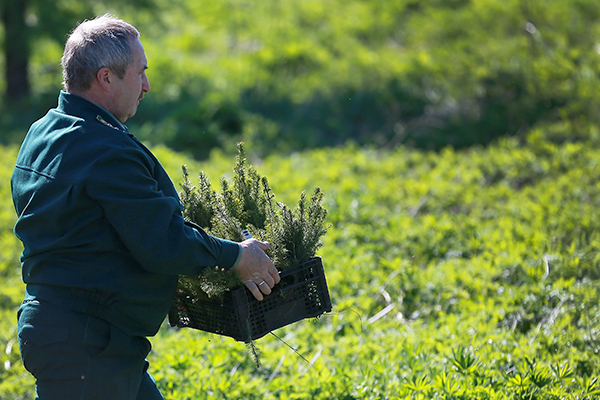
(79, 357)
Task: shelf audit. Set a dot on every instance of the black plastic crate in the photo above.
(301, 293)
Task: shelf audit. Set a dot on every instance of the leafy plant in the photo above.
(481, 260)
(294, 235)
(464, 361)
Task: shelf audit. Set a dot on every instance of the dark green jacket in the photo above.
(100, 220)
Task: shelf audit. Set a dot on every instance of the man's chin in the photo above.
(131, 114)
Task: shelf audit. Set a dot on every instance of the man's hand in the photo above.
(256, 269)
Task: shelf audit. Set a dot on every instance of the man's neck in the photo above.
(89, 96)
(92, 97)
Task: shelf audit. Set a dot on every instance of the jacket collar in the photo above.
(77, 106)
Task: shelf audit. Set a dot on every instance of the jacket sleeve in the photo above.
(148, 221)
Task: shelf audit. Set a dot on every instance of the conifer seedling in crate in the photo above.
(216, 301)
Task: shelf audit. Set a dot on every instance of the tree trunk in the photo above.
(16, 48)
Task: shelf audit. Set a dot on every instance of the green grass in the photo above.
(460, 275)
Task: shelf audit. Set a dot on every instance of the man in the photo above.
(101, 226)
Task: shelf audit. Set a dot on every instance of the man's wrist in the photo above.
(239, 257)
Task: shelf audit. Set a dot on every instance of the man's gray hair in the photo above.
(93, 44)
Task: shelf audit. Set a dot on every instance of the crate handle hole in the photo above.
(287, 281)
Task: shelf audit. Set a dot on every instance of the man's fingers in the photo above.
(264, 287)
(253, 287)
(274, 273)
(268, 282)
(263, 245)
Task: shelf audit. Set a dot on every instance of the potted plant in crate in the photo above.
(216, 301)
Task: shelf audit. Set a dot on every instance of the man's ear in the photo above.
(104, 77)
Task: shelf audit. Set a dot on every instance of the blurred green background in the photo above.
(287, 75)
(457, 143)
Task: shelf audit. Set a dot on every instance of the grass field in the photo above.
(454, 275)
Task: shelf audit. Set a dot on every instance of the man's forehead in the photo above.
(138, 53)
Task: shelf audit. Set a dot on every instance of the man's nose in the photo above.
(145, 84)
